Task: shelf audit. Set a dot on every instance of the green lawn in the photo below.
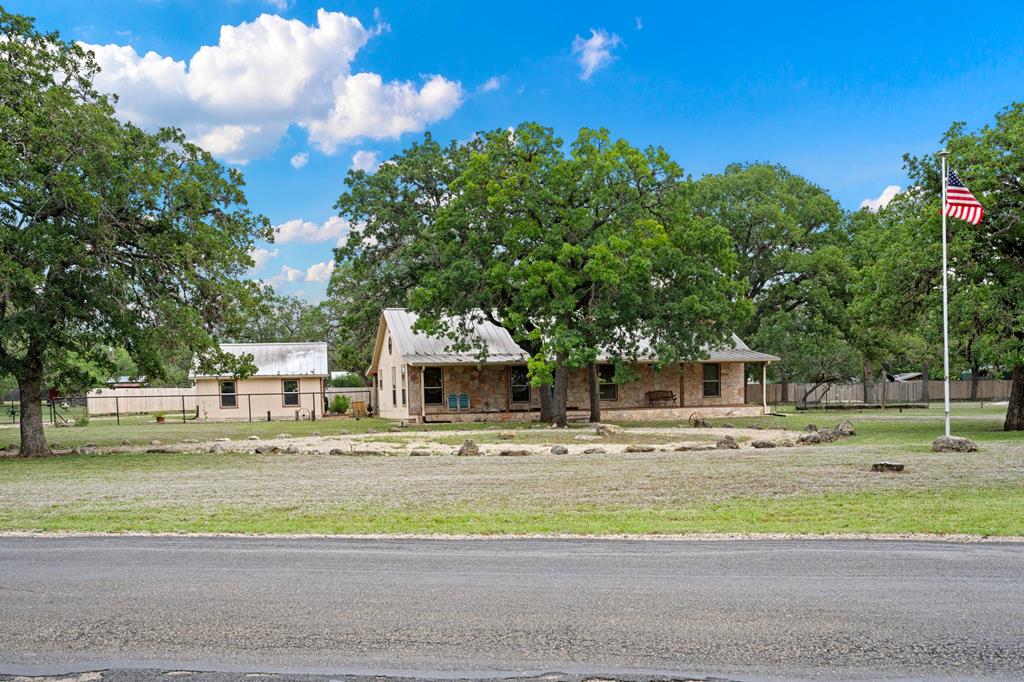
(807, 490)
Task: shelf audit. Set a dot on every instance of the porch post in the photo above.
(764, 387)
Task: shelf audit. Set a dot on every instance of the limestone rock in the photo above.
(291, 450)
(336, 452)
(762, 444)
(216, 448)
(221, 440)
(190, 441)
(506, 435)
(785, 443)
(727, 443)
(253, 438)
(953, 444)
(595, 451)
(586, 436)
(559, 450)
(887, 466)
(845, 428)
(267, 449)
(607, 429)
(640, 448)
(811, 428)
(812, 438)
(469, 449)
(283, 435)
(515, 453)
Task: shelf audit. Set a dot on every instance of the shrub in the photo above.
(82, 419)
(339, 405)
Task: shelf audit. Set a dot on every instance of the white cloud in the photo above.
(261, 257)
(320, 272)
(365, 161)
(490, 85)
(639, 23)
(287, 274)
(238, 97)
(333, 229)
(299, 160)
(883, 199)
(279, 5)
(595, 52)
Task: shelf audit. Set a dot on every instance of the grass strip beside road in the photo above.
(989, 512)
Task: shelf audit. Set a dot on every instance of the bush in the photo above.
(82, 419)
(339, 405)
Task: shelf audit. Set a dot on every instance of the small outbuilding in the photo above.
(289, 383)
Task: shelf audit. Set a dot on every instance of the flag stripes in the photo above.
(960, 203)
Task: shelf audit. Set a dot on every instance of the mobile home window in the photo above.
(712, 381)
(227, 394)
(607, 389)
(519, 377)
(290, 389)
(394, 388)
(403, 384)
(433, 386)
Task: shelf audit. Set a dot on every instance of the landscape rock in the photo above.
(607, 429)
(506, 435)
(559, 450)
(253, 438)
(640, 448)
(810, 428)
(159, 451)
(811, 438)
(216, 448)
(693, 448)
(953, 444)
(190, 441)
(828, 435)
(283, 435)
(469, 449)
(82, 450)
(267, 449)
(785, 443)
(291, 450)
(336, 452)
(727, 443)
(221, 440)
(152, 442)
(595, 451)
(762, 444)
(515, 453)
(886, 466)
(845, 428)
(586, 436)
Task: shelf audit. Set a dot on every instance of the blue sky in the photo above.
(294, 95)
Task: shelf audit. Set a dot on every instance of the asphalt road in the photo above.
(743, 610)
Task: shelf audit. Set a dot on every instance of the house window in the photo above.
(433, 386)
(227, 394)
(290, 392)
(607, 389)
(403, 384)
(519, 377)
(712, 381)
(394, 388)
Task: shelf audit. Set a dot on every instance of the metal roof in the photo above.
(281, 359)
(419, 349)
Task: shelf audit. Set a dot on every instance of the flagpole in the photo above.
(945, 295)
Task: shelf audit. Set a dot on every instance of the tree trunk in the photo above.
(547, 405)
(784, 380)
(1015, 410)
(975, 371)
(30, 386)
(869, 383)
(925, 396)
(561, 391)
(595, 396)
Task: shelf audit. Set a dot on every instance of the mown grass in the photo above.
(986, 512)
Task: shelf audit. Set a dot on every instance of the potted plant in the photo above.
(160, 416)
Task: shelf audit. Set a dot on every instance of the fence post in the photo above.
(183, 408)
(313, 413)
(248, 397)
(117, 409)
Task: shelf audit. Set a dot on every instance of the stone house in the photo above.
(418, 379)
(289, 383)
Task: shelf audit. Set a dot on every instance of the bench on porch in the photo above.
(660, 398)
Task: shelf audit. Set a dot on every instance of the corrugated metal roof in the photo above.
(282, 359)
(419, 349)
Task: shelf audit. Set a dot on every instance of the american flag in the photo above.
(960, 203)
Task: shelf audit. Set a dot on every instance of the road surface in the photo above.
(739, 610)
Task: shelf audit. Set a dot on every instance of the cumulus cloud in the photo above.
(320, 272)
(594, 53)
(332, 229)
(883, 199)
(260, 258)
(299, 160)
(238, 97)
(365, 161)
(490, 85)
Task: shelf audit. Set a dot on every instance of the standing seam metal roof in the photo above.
(282, 359)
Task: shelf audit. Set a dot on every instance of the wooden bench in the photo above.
(660, 398)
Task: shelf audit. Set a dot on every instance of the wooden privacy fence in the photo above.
(103, 401)
(352, 393)
(896, 392)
